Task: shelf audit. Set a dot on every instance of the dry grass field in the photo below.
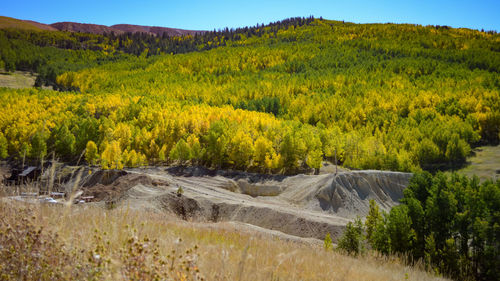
(16, 80)
(485, 163)
(91, 242)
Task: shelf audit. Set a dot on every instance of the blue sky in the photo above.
(209, 15)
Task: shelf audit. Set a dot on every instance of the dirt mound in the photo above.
(112, 185)
(286, 220)
(103, 177)
(349, 193)
(259, 189)
(346, 194)
(308, 206)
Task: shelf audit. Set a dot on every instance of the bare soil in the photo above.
(292, 207)
(299, 208)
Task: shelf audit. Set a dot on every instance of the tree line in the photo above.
(450, 223)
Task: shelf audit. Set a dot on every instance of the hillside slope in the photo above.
(84, 28)
(8, 22)
(279, 98)
(121, 28)
(394, 97)
(157, 30)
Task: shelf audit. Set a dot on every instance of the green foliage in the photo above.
(457, 150)
(180, 191)
(38, 146)
(3, 147)
(401, 235)
(290, 152)
(196, 150)
(181, 152)
(427, 152)
(373, 218)
(379, 239)
(490, 130)
(51, 53)
(315, 153)
(451, 223)
(327, 243)
(352, 240)
(216, 141)
(64, 141)
(241, 150)
(294, 91)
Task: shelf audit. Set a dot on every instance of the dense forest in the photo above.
(278, 98)
(450, 223)
(51, 53)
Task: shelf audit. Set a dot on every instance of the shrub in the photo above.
(328, 242)
(352, 241)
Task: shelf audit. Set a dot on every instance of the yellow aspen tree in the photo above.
(91, 153)
(111, 157)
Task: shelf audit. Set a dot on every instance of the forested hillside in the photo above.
(274, 98)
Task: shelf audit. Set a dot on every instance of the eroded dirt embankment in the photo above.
(303, 205)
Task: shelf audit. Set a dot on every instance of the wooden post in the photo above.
(335, 161)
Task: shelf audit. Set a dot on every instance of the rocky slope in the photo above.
(307, 206)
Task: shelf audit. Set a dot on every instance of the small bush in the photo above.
(352, 241)
(328, 242)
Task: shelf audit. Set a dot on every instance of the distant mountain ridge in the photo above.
(158, 30)
(84, 27)
(122, 28)
(7, 22)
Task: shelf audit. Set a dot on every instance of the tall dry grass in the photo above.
(124, 244)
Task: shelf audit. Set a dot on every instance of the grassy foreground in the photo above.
(60, 242)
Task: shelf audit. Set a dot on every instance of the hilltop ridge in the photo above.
(121, 28)
(8, 22)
